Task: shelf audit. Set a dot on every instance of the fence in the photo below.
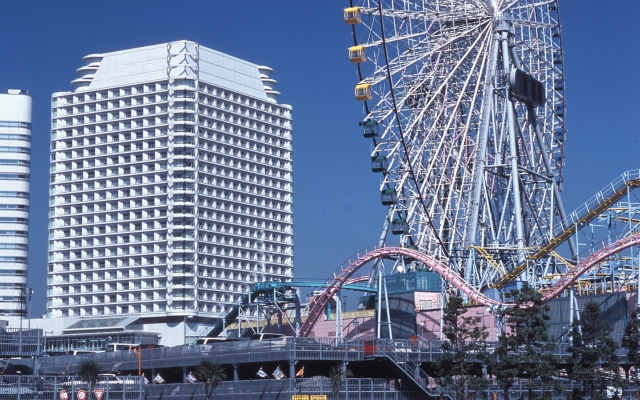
(266, 389)
(15, 342)
(109, 387)
(286, 349)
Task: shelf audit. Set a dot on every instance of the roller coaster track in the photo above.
(346, 270)
(594, 259)
(358, 284)
(582, 216)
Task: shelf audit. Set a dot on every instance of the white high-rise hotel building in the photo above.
(171, 184)
(15, 159)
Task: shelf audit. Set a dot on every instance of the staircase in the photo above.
(407, 362)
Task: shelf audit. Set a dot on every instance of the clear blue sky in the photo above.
(337, 210)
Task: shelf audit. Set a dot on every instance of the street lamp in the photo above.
(422, 330)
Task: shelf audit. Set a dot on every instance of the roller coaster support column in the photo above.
(339, 315)
(498, 313)
(571, 311)
(378, 330)
(443, 296)
(638, 283)
(632, 255)
(572, 301)
(297, 300)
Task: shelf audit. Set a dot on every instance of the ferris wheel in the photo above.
(464, 103)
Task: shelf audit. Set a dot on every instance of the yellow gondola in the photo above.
(357, 54)
(363, 91)
(352, 15)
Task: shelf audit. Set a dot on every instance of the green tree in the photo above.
(464, 351)
(525, 350)
(338, 374)
(88, 370)
(631, 342)
(593, 360)
(211, 374)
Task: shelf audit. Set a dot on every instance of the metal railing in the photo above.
(289, 349)
(53, 387)
(352, 388)
(15, 342)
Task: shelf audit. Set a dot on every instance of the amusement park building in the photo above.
(171, 185)
(15, 168)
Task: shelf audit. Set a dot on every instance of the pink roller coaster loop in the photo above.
(591, 261)
(317, 307)
(342, 275)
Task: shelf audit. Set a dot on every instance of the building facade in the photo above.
(15, 170)
(171, 184)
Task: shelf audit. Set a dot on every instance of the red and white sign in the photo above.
(81, 395)
(98, 393)
(64, 395)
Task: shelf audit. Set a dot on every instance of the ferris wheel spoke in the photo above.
(444, 183)
(442, 86)
(416, 55)
(424, 14)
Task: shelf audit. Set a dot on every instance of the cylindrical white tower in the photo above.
(15, 170)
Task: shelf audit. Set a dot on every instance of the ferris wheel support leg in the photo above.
(533, 120)
(378, 264)
(514, 55)
(474, 214)
(386, 301)
(385, 227)
(378, 271)
(513, 154)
